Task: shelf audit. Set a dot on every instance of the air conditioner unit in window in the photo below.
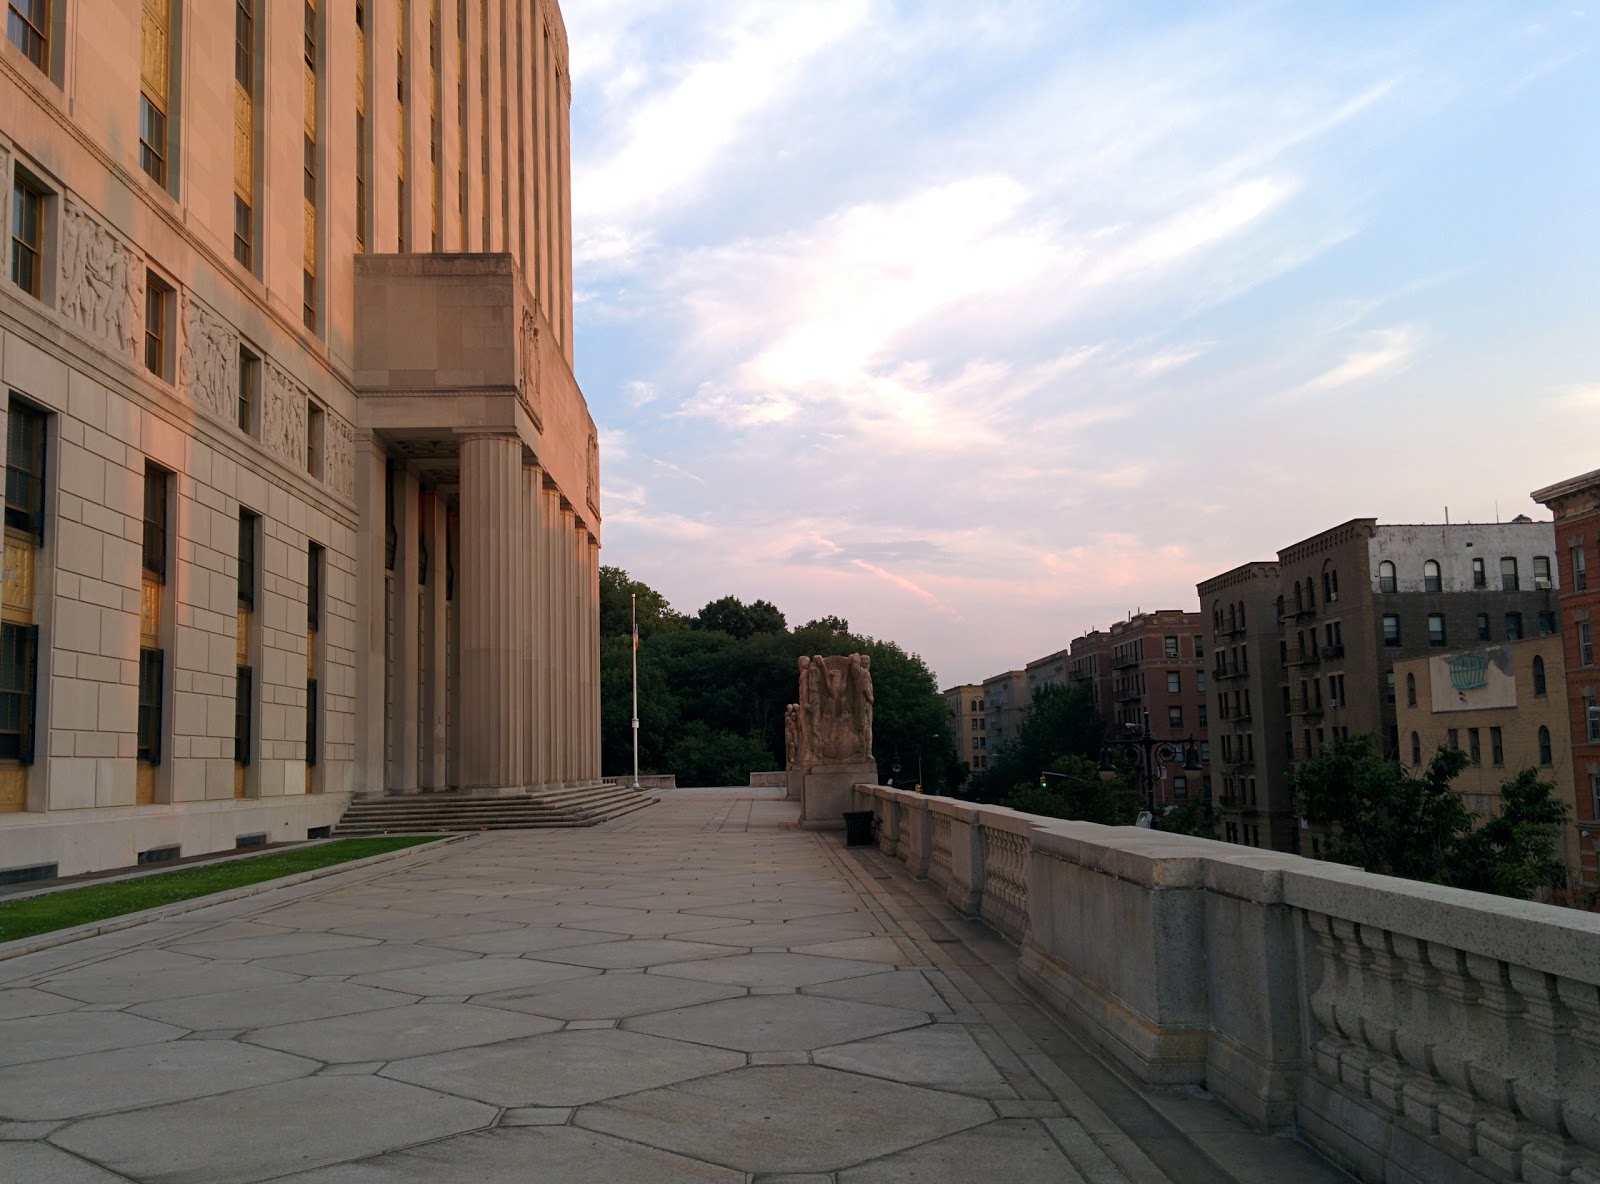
(1542, 583)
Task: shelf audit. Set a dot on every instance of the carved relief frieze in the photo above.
(283, 416)
(528, 362)
(339, 456)
(102, 280)
(208, 364)
(592, 473)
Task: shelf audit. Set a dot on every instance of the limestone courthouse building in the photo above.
(301, 497)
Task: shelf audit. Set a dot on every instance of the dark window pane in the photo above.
(151, 671)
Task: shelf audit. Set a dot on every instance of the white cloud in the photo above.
(1383, 353)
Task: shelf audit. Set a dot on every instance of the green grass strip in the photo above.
(96, 902)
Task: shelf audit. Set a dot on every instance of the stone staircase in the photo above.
(451, 811)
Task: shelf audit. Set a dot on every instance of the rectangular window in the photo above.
(244, 40)
(311, 722)
(1580, 571)
(1541, 572)
(152, 140)
(155, 523)
(1508, 574)
(157, 326)
(151, 669)
(1591, 712)
(1453, 738)
(19, 657)
(242, 715)
(28, 28)
(308, 300)
(247, 558)
(1547, 622)
(1480, 577)
(27, 236)
(1200, 682)
(1174, 682)
(1175, 717)
(1497, 748)
(249, 391)
(1474, 749)
(1483, 626)
(1436, 636)
(25, 454)
(1170, 646)
(1513, 626)
(314, 562)
(1585, 645)
(243, 232)
(1391, 629)
(361, 182)
(314, 426)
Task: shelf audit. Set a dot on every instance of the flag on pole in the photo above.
(636, 636)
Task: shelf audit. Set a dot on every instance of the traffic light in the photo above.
(1044, 782)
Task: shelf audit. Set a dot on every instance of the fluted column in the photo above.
(551, 506)
(569, 648)
(371, 477)
(403, 762)
(533, 733)
(493, 702)
(435, 625)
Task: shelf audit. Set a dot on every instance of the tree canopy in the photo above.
(1383, 818)
(713, 686)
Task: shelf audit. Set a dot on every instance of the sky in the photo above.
(984, 324)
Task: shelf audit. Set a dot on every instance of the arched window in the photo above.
(1416, 749)
(1545, 758)
(1280, 608)
(1411, 690)
(1299, 597)
(1431, 581)
(1216, 617)
(1233, 619)
(1386, 580)
(1241, 614)
(1538, 675)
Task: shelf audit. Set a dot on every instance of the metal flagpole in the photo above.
(635, 599)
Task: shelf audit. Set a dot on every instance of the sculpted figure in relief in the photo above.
(101, 281)
(791, 735)
(530, 360)
(208, 366)
(339, 459)
(283, 417)
(836, 704)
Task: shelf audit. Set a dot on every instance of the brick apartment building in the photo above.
(968, 726)
(1158, 667)
(1576, 505)
(1250, 765)
(1355, 599)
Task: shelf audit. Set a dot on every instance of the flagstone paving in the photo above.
(697, 992)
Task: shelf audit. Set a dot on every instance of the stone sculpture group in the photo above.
(828, 734)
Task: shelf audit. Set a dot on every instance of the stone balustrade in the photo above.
(1409, 1031)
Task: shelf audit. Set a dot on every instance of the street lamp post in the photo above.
(1150, 754)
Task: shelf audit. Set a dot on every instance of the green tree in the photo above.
(1514, 853)
(1061, 722)
(1078, 792)
(616, 606)
(1383, 818)
(711, 697)
(1386, 820)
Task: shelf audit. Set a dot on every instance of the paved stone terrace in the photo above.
(699, 992)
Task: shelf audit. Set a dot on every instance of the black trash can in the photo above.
(858, 828)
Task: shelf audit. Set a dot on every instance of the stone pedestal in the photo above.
(793, 778)
(825, 791)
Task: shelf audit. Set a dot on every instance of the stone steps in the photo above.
(568, 806)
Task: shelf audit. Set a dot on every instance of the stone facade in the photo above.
(201, 334)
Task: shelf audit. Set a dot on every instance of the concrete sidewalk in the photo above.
(699, 992)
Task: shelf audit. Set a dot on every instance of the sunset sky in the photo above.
(984, 324)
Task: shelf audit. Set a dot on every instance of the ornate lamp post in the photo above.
(1150, 756)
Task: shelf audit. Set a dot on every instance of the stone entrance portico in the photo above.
(478, 486)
